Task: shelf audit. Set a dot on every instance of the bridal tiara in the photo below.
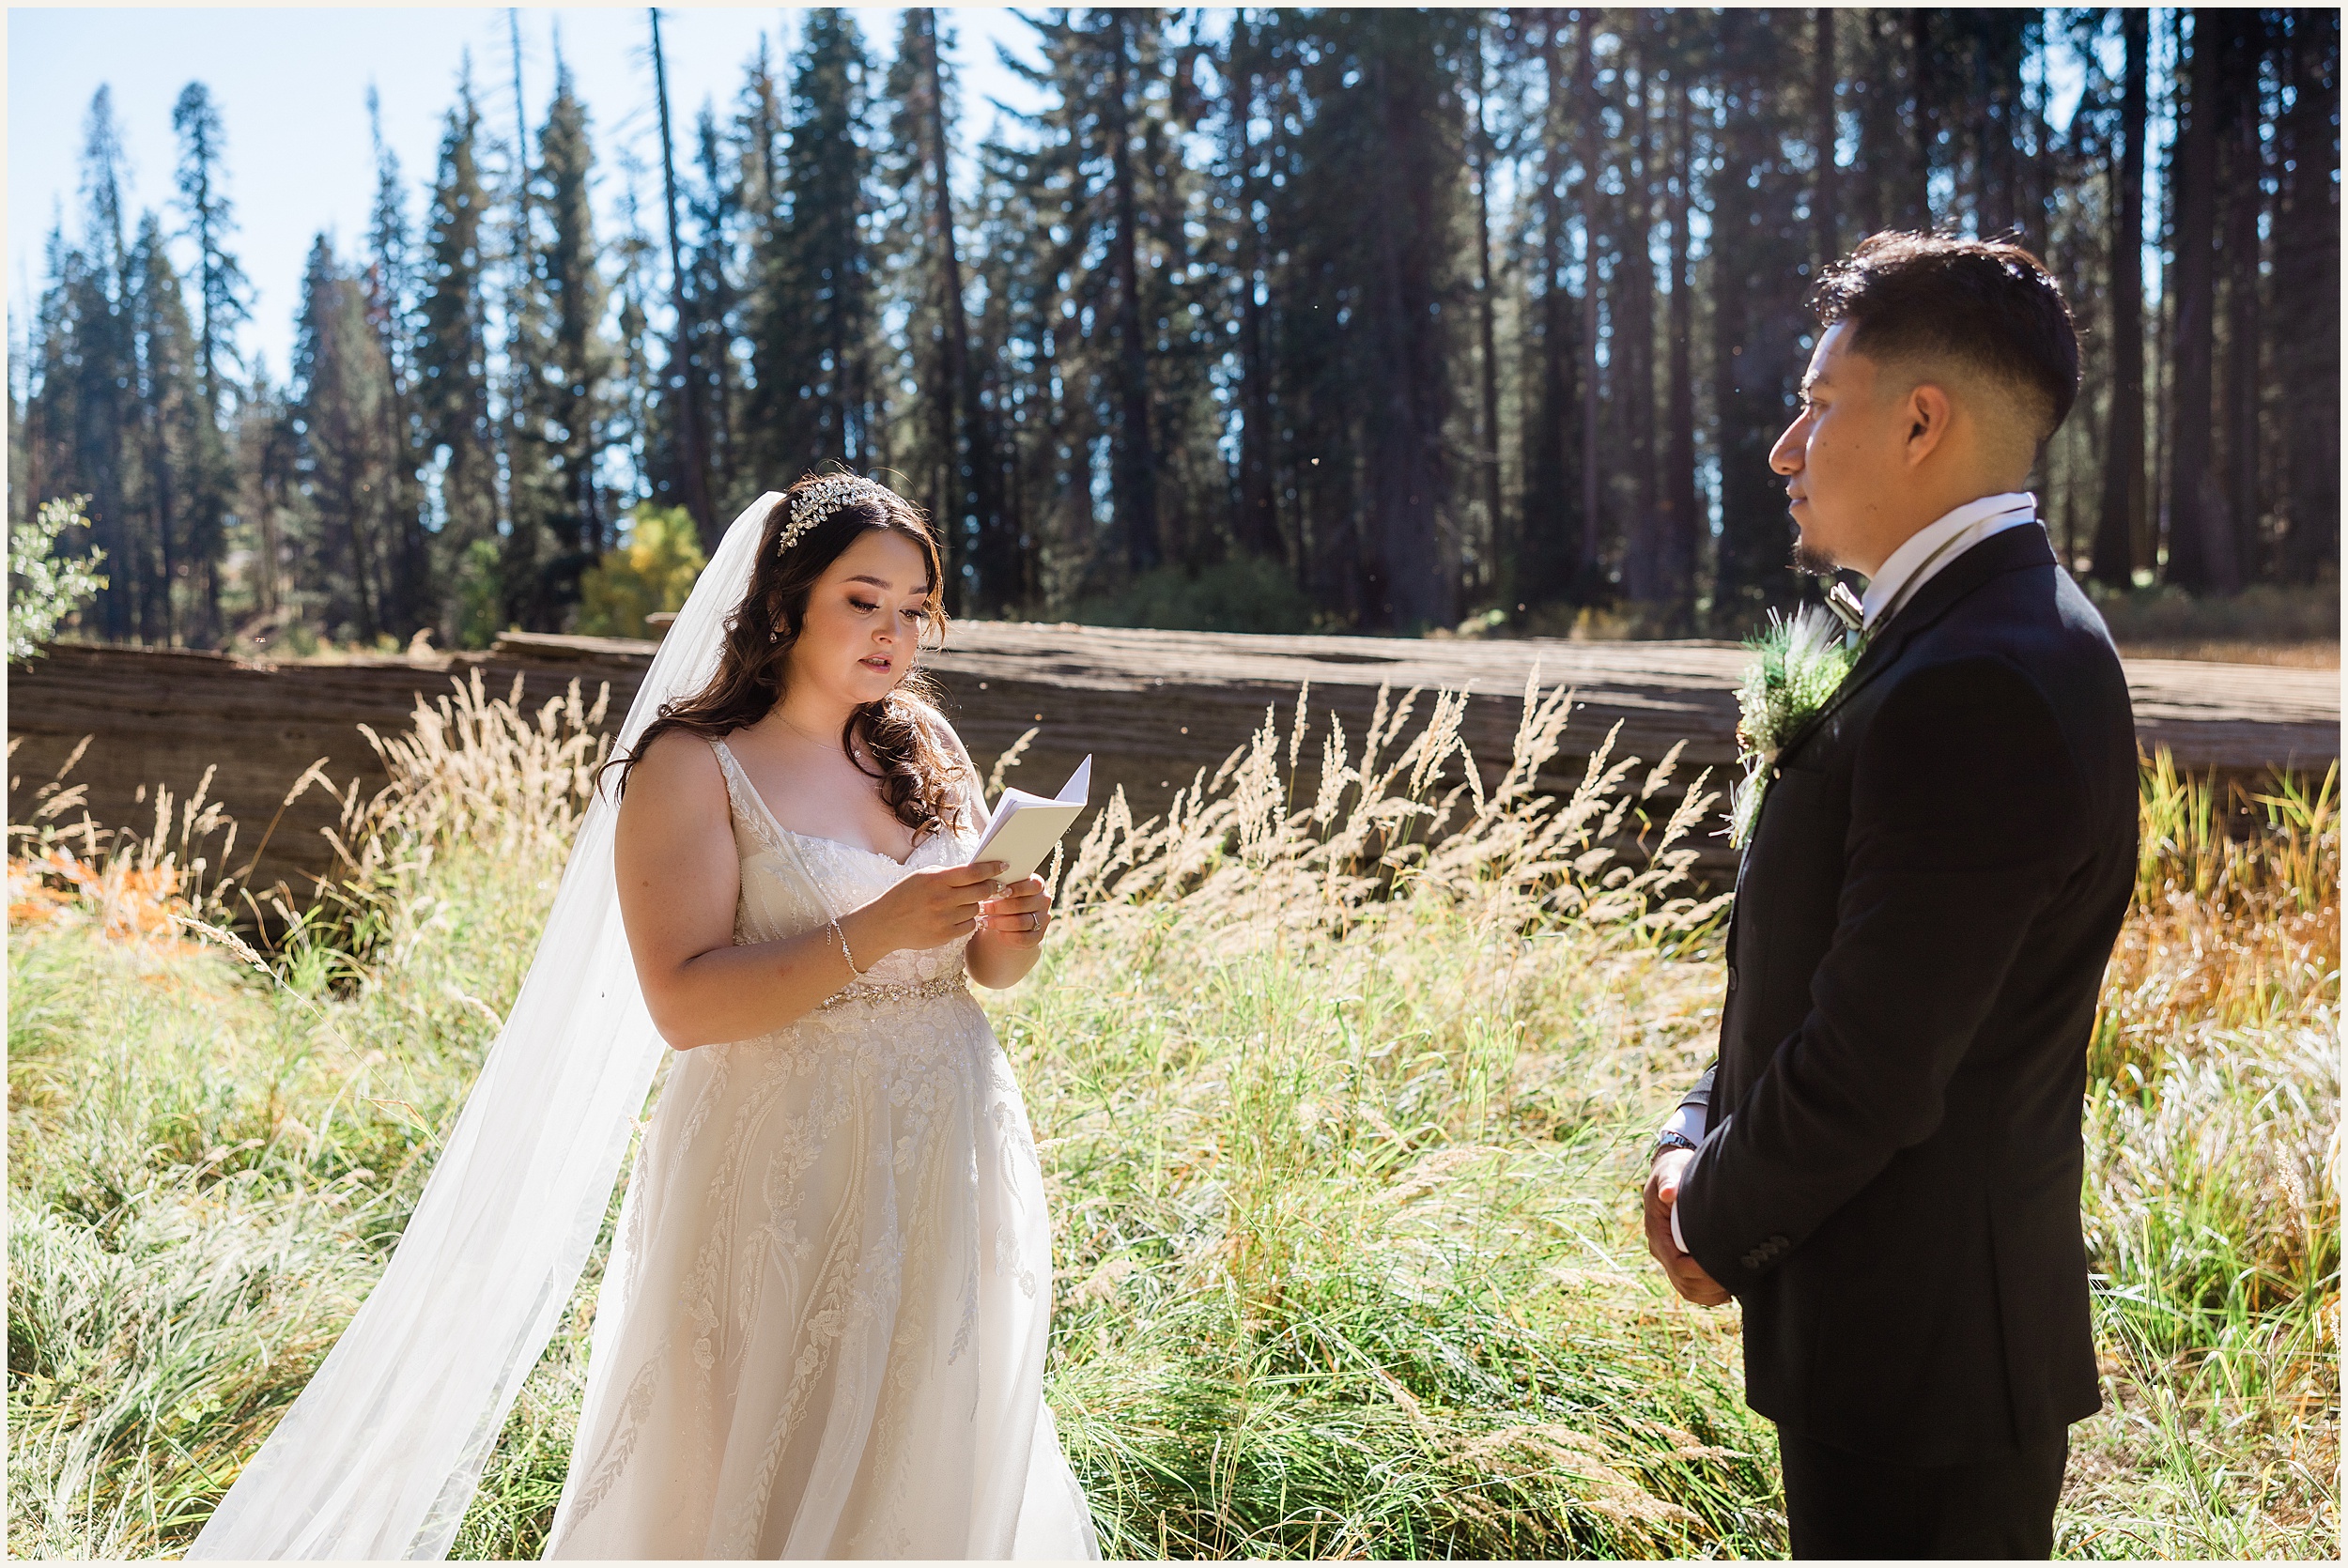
(820, 500)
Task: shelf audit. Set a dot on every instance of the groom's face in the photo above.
(1842, 456)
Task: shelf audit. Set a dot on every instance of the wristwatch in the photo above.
(1671, 1138)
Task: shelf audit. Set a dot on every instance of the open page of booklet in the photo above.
(1023, 828)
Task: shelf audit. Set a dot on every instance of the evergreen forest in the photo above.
(1371, 320)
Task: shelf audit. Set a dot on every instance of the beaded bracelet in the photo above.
(842, 935)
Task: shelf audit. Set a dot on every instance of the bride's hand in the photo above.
(928, 909)
(1019, 915)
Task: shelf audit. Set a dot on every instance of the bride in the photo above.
(822, 1327)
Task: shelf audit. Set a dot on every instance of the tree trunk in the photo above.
(955, 514)
(1488, 364)
(1823, 201)
(684, 374)
(411, 547)
(1547, 542)
(1414, 584)
(1591, 569)
(1259, 523)
(166, 528)
(2200, 538)
(1875, 187)
(1925, 87)
(1001, 566)
(1634, 346)
(2307, 275)
(2246, 201)
(522, 567)
(1679, 524)
(1995, 50)
(2160, 390)
(2120, 518)
(1137, 462)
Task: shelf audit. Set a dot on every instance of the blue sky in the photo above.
(291, 85)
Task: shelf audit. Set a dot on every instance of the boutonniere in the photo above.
(1798, 660)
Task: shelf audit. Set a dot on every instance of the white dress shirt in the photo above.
(1926, 553)
(1937, 544)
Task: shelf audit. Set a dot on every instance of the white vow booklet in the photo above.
(1023, 828)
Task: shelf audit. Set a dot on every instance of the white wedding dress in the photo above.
(821, 1329)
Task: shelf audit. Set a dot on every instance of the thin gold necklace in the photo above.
(853, 751)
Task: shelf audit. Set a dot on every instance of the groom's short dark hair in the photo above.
(1987, 304)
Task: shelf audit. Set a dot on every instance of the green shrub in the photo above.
(652, 570)
(2270, 612)
(1242, 595)
(480, 595)
(45, 588)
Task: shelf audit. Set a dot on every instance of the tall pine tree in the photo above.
(99, 362)
(453, 387)
(176, 549)
(811, 318)
(346, 454)
(571, 389)
(390, 290)
(222, 295)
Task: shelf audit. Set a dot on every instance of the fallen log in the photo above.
(1154, 708)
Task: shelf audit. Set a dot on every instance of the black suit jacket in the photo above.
(1890, 1179)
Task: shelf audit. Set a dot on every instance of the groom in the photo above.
(1884, 1163)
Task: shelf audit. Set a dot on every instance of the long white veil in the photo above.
(380, 1455)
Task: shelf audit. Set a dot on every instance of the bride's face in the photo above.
(864, 619)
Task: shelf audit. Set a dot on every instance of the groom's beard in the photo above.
(1812, 562)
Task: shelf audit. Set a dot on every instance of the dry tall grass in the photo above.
(2213, 1202)
(1342, 1101)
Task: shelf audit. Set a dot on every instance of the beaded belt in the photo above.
(919, 990)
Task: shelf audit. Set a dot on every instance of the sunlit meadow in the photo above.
(1342, 1097)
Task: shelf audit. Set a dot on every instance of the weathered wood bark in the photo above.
(1154, 708)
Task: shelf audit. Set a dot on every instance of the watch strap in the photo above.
(1671, 1138)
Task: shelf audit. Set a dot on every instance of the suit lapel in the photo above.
(2015, 549)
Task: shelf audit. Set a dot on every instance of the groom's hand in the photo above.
(1662, 1190)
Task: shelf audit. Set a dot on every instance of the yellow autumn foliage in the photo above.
(653, 571)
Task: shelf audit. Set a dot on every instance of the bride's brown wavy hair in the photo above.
(917, 773)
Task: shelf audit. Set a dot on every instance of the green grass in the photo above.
(1346, 1265)
(1343, 1143)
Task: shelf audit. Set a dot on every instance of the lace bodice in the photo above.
(822, 1327)
(793, 882)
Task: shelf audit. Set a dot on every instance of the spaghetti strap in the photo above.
(736, 781)
(749, 807)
